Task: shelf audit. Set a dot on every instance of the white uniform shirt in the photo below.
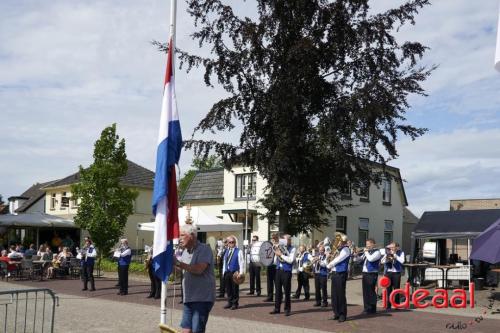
(366, 256)
(400, 259)
(344, 254)
(241, 260)
(290, 258)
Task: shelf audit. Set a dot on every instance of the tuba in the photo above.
(339, 239)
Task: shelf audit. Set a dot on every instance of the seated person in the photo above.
(60, 261)
(5, 258)
(14, 254)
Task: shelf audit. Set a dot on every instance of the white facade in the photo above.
(375, 216)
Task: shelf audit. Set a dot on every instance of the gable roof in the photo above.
(206, 185)
(33, 194)
(455, 224)
(136, 176)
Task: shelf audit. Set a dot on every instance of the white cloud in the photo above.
(68, 69)
(443, 166)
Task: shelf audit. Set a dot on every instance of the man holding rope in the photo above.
(198, 282)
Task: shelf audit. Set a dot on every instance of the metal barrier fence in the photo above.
(27, 310)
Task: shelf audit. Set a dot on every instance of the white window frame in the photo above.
(53, 201)
(245, 182)
(386, 190)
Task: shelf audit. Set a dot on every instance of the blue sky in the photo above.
(68, 69)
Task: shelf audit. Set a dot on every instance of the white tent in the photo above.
(36, 219)
(205, 222)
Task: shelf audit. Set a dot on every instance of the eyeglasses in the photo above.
(231, 242)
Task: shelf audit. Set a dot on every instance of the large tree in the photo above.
(105, 204)
(318, 88)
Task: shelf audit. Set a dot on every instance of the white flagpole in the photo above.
(497, 53)
(173, 14)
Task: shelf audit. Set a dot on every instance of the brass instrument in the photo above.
(339, 239)
(360, 251)
(238, 278)
(283, 249)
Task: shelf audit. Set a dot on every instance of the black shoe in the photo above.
(84, 289)
(150, 296)
(227, 306)
(334, 318)
(324, 305)
(125, 293)
(234, 307)
(316, 304)
(275, 311)
(117, 285)
(341, 319)
(250, 293)
(287, 313)
(119, 293)
(92, 289)
(306, 298)
(295, 296)
(258, 294)
(268, 299)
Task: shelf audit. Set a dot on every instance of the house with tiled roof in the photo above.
(374, 211)
(59, 201)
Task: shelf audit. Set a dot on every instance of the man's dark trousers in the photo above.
(283, 284)
(339, 302)
(254, 278)
(369, 284)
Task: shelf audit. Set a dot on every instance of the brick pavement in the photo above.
(303, 316)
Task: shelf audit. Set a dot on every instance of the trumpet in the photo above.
(360, 251)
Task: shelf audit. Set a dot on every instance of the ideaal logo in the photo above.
(417, 298)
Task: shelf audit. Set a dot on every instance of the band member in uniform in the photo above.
(88, 254)
(221, 251)
(284, 262)
(393, 261)
(338, 267)
(155, 281)
(271, 271)
(123, 265)
(371, 262)
(254, 273)
(321, 278)
(302, 277)
(233, 262)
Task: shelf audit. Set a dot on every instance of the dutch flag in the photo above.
(165, 205)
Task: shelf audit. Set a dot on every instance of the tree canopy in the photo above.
(317, 88)
(105, 204)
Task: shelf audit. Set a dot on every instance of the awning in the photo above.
(204, 222)
(36, 219)
(455, 224)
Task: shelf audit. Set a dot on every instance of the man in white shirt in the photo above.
(393, 261)
(284, 263)
(233, 262)
(338, 268)
(371, 263)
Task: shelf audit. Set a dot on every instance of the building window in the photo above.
(345, 190)
(364, 191)
(386, 190)
(388, 228)
(246, 185)
(363, 231)
(64, 200)
(75, 203)
(53, 201)
(341, 224)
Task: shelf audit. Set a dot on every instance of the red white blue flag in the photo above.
(165, 205)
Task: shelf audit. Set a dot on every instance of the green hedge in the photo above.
(108, 265)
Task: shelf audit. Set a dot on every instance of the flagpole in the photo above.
(173, 14)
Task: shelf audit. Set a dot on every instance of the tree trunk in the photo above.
(283, 221)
